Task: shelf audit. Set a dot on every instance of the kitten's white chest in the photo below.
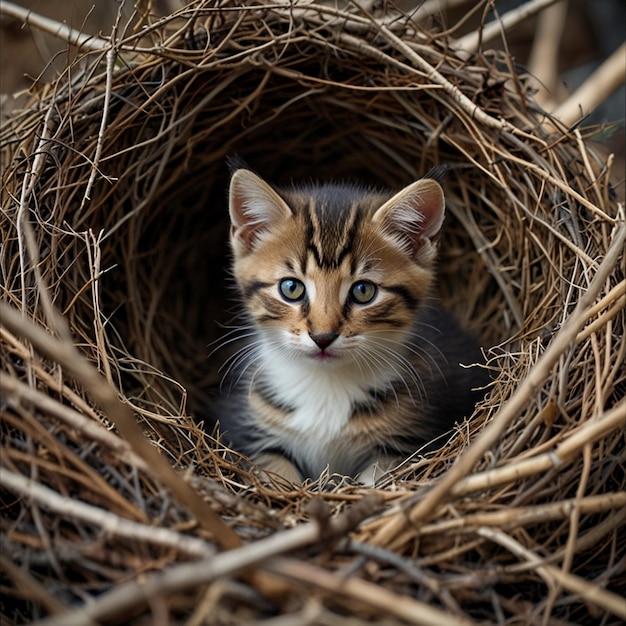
(322, 399)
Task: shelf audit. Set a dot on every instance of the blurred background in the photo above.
(563, 46)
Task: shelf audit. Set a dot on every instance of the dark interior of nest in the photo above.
(166, 288)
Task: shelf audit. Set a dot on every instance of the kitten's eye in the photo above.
(291, 289)
(363, 292)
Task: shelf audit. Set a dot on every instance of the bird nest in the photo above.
(117, 505)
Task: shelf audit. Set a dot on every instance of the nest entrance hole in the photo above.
(170, 289)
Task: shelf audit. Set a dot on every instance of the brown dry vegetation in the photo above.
(113, 229)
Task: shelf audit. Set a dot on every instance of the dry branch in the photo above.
(366, 593)
(111, 524)
(16, 393)
(544, 55)
(52, 27)
(180, 577)
(596, 89)
(591, 593)
(471, 42)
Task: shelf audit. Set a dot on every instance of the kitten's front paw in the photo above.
(280, 465)
(373, 473)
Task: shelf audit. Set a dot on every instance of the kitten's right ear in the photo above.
(254, 209)
(414, 215)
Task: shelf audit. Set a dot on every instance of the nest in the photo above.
(118, 506)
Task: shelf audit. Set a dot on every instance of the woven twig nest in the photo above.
(114, 229)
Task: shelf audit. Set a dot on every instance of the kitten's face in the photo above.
(330, 272)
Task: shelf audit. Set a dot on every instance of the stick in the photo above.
(490, 31)
(16, 392)
(52, 27)
(137, 593)
(112, 524)
(590, 432)
(543, 58)
(595, 90)
(364, 592)
(110, 66)
(24, 235)
(517, 517)
(587, 590)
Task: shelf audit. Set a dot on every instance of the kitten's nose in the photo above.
(323, 340)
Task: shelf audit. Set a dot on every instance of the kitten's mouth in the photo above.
(323, 356)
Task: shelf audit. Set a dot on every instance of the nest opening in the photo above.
(181, 250)
(162, 247)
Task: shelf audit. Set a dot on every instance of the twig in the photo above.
(120, 414)
(28, 183)
(595, 90)
(365, 593)
(52, 27)
(434, 7)
(177, 578)
(618, 306)
(110, 64)
(47, 378)
(517, 517)
(16, 392)
(470, 42)
(408, 566)
(596, 534)
(589, 432)
(587, 590)
(94, 255)
(615, 295)
(543, 58)
(112, 524)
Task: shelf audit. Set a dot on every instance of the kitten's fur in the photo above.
(326, 376)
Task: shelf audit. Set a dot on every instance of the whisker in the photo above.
(226, 342)
(378, 357)
(419, 350)
(404, 364)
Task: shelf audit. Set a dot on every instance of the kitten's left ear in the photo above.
(414, 215)
(255, 208)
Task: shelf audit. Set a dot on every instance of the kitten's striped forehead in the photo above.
(331, 216)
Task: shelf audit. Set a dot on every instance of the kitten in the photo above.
(344, 363)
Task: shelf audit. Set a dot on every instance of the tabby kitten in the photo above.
(344, 364)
